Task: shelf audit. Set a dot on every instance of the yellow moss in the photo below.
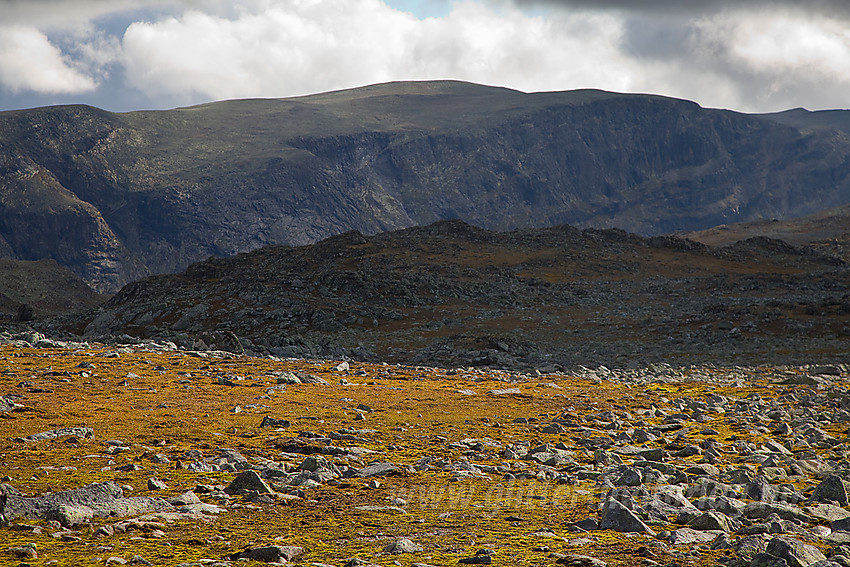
(171, 403)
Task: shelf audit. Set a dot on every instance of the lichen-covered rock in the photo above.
(402, 545)
(79, 505)
(269, 554)
(832, 489)
(794, 552)
(248, 480)
(617, 517)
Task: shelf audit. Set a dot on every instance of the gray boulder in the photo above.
(794, 552)
(402, 545)
(617, 517)
(712, 521)
(269, 554)
(767, 560)
(831, 489)
(79, 505)
(376, 469)
(248, 480)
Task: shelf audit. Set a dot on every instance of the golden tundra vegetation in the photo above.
(171, 403)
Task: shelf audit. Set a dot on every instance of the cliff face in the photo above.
(118, 196)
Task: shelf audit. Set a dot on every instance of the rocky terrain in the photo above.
(116, 197)
(40, 289)
(142, 454)
(451, 294)
(826, 231)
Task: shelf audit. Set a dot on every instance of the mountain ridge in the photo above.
(450, 292)
(116, 197)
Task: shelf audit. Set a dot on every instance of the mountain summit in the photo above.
(115, 197)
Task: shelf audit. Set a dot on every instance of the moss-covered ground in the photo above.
(170, 402)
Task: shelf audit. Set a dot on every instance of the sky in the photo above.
(120, 55)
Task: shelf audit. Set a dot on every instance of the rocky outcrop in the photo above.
(451, 294)
(119, 196)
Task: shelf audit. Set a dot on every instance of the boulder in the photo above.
(617, 517)
(794, 552)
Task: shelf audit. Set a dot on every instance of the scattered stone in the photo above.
(247, 481)
(690, 536)
(377, 469)
(711, 521)
(78, 432)
(402, 545)
(504, 392)
(27, 551)
(269, 554)
(794, 552)
(156, 484)
(272, 422)
(832, 489)
(617, 517)
(80, 505)
(477, 560)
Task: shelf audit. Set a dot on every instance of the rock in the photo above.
(841, 525)
(758, 510)
(831, 489)
(711, 521)
(185, 499)
(272, 422)
(402, 545)
(794, 552)
(79, 505)
(27, 551)
(827, 370)
(629, 477)
(342, 367)
(79, 432)
(767, 560)
(655, 454)
(377, 469)
(325, 469)
(617, 517)
(690, 536)
(269, 554)
(572, 560)
(827, 512)
(248, 480)
(477, 560)
(383, 509)
(731, 507)
(156, 484)
(550, 455)
(7, 404)
(504, 392)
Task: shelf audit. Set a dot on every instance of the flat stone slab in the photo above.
(689, 536)
(79, 505)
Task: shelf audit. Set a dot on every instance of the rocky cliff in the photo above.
(115, 197)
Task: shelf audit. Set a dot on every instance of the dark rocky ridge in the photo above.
(451, 294)
(118, 196)
(42, 289)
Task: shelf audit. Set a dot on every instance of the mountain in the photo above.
(452, 294)
(41, 289)
(116, 197)
(826, 231)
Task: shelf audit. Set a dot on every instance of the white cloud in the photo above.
(303, 46)
(764, 56)
(28, 61)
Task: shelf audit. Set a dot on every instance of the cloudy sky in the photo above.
(748, 55)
